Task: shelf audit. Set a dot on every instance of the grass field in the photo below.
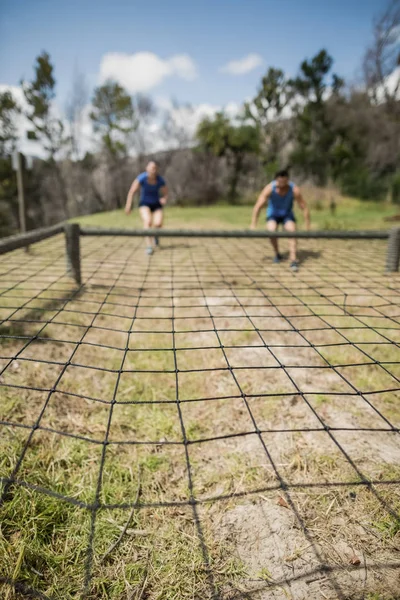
(349, 214)
(200, 424)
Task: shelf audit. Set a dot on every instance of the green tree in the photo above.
(47, 126)
(270, 110)
(9, 111)
(40, 94)
(213, 134)
(315, 138)
(235, 143)
(113, 116)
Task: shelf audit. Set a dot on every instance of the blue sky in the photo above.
(207, 34)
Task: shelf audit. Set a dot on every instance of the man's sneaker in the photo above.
(277, 258)
(149, 250)
(294, 266)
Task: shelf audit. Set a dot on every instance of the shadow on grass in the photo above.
(23, 327)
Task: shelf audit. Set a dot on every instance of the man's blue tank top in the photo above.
(280, 206)
(150, 193)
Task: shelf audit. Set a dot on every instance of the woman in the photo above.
(153, 197)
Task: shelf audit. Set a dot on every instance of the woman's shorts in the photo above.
(152, 206)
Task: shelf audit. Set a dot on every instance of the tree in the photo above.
(235, 143)
(177, 128)
(243, 140)
(47, 126)
(40, 94)
(213, 134)
(314, 135)
(382, 58)
(113, 117)
(141, 138)
(75, 109)
(270, 111)
(9, 111)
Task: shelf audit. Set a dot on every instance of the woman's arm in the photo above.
(132, 191)
(164, 195)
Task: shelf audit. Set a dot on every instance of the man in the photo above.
(281, 195)
(153, 197)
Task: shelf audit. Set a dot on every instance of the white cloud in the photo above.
(395, 34)
(143, 71)
(191, 115)
(243, 65)
(184, 119)
(392, 84)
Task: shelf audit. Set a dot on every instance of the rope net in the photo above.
(200, 423)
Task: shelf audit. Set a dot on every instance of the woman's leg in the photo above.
(158, 219)
(146, 216)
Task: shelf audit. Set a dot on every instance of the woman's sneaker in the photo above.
(149, 250)
(277, 258)
(294, 266)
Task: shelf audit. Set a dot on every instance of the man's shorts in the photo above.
(153, 206)
(282, 219)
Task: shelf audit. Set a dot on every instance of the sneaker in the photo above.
(149, 250)
(277, 259)
(156, 241)
(294, 266)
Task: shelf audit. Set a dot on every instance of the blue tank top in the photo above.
(280, 206)
(150, 193)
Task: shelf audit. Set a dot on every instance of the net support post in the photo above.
(72, 242)
(393, 251)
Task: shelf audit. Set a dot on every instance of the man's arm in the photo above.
(132, 191)
(262, 200)
(303, 205)
(164, 195)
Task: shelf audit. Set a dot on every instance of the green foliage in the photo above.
(395, 188)
(113, 116)
(219, 136)
(213, 134)
(244, 139)
(8, 196)
(9, 111)
(361, 183)
(40, 94)
(311, 82)
(274, 95)
(315, 137)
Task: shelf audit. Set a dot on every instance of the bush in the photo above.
(395, 185)
(360, 183)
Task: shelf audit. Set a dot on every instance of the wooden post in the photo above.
(72, 241)
(21, 196)
(393, 251)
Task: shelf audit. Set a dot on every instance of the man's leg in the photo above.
(146, 216)
(291, 226)
(158, 220)
(273, 226)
